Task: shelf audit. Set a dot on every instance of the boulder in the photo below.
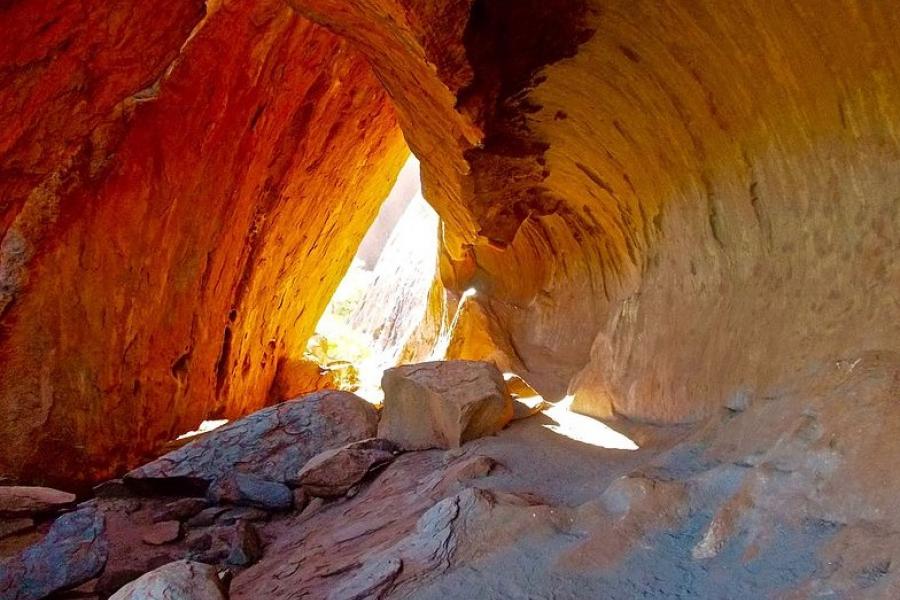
(246, 489)
(334, 472)
(73, 551)
(18, 500)
(273, 444)
(180, 580)
(443, 404)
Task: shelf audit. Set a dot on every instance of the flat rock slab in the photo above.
(443, 404)
(73, 551)
(334, 472)
(273, 444)
(16, 500)
(180, 580)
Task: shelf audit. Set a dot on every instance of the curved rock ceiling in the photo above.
(663, 207)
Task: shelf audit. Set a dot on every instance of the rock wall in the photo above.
(666, 207)
(663, 208)
(182, 189)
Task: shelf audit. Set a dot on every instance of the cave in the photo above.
(626, 317)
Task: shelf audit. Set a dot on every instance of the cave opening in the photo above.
(382, 298)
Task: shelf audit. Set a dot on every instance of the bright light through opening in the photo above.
(205, 427)
(585, 429)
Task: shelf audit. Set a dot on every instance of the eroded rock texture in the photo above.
(182, 188)
(662, 206)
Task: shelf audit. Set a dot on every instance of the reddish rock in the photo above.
(161, 533)
(14, 525)
(334, 472)
(27, 500)
(443, 404)
(271, 444)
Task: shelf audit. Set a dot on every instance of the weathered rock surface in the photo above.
(31, 500)
(443, 404)
(181, 580)
(271, 444)
(168, 184)
(73, 551)
(249, 490)
(334, 472)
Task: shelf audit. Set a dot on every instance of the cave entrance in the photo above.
(383, 297)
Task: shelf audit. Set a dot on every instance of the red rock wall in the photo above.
(177, 210)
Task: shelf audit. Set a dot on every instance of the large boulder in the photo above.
(28, 500)
(73, 551)
(273, 443)
(443, 404)
(180, 580)
(334, 472)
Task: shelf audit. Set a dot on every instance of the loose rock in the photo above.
(181, 580)
(335, 472)
(443, 404)
(273, 443)
(28, 500)
(74, 551)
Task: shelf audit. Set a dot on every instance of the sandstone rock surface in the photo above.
(30, 500)
(172, 225)
(443, 404)
(334, 472)
(272, 444)
(181, 580)
(73, 551)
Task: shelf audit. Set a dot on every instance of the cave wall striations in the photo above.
(680, 204)
(181, 193)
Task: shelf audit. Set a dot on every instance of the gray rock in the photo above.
(74, 551)
(443, 404)
(335, 472)
(245, 489)
(245, 547)
(273, 444)
(181, 580)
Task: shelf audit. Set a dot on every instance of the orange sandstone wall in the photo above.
(181, 193)
(664, 205)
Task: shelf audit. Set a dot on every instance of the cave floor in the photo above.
(549, 521)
